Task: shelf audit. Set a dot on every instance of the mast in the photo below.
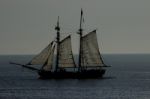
(80, 33)
(57, 28)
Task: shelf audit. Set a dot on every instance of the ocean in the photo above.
(128, 78)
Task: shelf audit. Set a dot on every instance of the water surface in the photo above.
(128, 78)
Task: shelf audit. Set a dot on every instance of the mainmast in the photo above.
(57, 28)
(80, 33)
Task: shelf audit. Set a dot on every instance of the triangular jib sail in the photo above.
(44, 57)
(65, 53)
(90, 55)
(49, 63)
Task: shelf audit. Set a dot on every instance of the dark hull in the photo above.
(72, 75)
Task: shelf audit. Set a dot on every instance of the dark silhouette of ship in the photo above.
(62, 65)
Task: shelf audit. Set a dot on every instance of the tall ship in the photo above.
(57, 60)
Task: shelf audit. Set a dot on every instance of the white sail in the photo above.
(90, 55)
(42, 57)
(49, 63)
(65, 53)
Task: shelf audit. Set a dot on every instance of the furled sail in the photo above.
(42, 57)
(90, 55)
(65, 53)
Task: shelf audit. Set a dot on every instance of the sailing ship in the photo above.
(62, 65)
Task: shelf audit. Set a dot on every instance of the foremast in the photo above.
(57, 28)
(80, 33)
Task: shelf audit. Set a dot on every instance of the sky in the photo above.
(27, 26)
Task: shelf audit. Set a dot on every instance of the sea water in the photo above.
(128, 78)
